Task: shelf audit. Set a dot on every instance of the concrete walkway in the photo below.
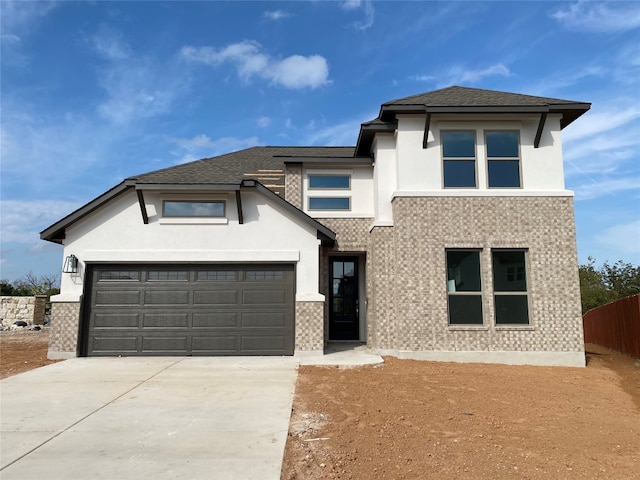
(161, 417)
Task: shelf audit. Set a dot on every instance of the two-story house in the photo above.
(446, 233)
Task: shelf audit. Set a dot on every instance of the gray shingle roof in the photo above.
(234, 167)
(456, 96)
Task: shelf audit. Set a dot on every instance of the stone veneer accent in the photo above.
(309, 326)
(63, 337)
(293, 184)
(408, 295)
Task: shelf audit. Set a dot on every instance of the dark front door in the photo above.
(343, 299)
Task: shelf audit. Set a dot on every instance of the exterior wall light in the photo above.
(70, 264)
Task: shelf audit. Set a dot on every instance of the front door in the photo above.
(344, 306)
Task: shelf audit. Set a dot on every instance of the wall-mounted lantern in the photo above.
(70, 264)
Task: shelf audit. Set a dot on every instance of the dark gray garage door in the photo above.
(189, 310)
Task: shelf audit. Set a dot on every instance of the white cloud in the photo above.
(295, 72)
(458, 75)
(600, 17)
(596, 189)
(20, 16)
(10, 39)
(276, 14)
(422, 78)
(340, 134)
(110, 44)
(264, 122)
(202, 146)
(367, 8)
(623, 239)
(22, 220)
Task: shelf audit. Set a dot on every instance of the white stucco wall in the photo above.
(116, 233)
(384, 178)
(419, 170)
(361, 191)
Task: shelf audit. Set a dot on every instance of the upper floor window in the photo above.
(503, 158)
(459, 158)
(329, 181)
(173, 208)
(329, 203)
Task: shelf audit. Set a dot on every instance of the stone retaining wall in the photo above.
(27, 309)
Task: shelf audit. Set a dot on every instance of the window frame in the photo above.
(511, 293)
(223, 202)
(489, 160)
(472, 293)
(311, 175)
(460, 159)
(312, 209)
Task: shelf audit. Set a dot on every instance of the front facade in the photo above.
(446, 233)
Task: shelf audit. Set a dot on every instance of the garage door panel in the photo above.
(190, 310)
(102, 321)
(114, 345)
(218, 345)
(117, 297)
(215, 297)
(274, 319)
(261, 343)
(216, 320)
(159, 344)
(166, 297)
(165, 320)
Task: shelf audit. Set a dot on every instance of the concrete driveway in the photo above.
(160, 418)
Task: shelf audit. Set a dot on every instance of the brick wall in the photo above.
(63, 338)
(309, 326)
(409, 283)
(293, 184)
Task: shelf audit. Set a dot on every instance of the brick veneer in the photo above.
(408, 296)
(309, 326)
(63, 337)
(293, 184)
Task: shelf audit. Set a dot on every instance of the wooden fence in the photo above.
(615, 325)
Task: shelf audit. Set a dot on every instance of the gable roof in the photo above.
(465, 100)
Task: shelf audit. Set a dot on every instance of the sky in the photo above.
(94, 92)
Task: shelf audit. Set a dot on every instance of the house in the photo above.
(446, 233)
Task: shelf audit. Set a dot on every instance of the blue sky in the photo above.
(93, 92)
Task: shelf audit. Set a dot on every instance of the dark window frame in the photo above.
(516, 274)
(467, 159)
(506, 159)
(454, 295)
(218, 202)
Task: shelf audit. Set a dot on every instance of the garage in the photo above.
(222, 309)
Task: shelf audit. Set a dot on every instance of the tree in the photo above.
(32, 284)
(608, 283)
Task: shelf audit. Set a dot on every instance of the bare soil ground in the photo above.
(425, 420)
(23, 350)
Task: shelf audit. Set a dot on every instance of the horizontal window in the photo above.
(176, 275)
(266, 275)
(329, 203)
(216, 275)
(119, 275)
(329, 181)
(194, 209)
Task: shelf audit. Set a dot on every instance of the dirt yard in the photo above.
(23, 350)
(424, 420)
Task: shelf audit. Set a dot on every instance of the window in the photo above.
(194, 209)
(168, 275)
(464, 287)
(329, 182)
(119, 275)
(459, 158)
(224, 275)
(329, 203)
(266, 275)
(503, 158)
(510, 287)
